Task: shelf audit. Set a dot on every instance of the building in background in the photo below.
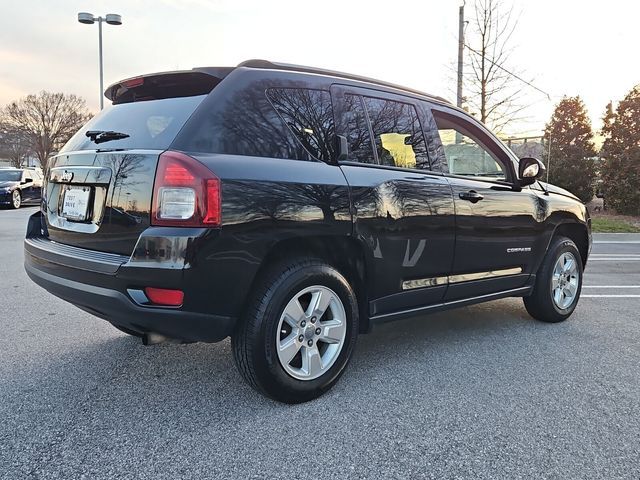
(527, 146)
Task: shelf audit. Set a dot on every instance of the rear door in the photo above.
(498, 224)
(404, 212)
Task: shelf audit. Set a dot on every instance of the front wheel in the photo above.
(298, 333)
(558, 283)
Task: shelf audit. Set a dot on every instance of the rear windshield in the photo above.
(150, 124)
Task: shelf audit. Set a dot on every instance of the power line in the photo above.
(510, 73)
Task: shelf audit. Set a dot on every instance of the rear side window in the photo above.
(245, 123)
(152, 124)
(397, 133)
(309, 116)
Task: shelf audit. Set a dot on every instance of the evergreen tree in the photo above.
(607, 118)
(571, 164)
(621, 153)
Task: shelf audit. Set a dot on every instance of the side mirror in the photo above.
(342, 148)
(26, 180)
(530, 170)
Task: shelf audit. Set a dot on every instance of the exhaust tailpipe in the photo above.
(151, 338)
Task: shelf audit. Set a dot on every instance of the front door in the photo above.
(498, 224)
(28, 190)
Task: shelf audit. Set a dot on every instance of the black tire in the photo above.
(16, 199)
(255, 338)
(540, 304)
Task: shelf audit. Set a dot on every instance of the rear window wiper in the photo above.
(99, 136)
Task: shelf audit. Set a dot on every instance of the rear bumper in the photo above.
(110, 287)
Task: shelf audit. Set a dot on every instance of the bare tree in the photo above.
(48, 120)
(493, 92)
(15, 145)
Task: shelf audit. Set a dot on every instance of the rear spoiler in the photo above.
(185, 83)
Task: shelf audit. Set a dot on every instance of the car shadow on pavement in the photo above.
(198, 375)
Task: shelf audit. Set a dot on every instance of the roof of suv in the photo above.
(195, 76)
(300, 68)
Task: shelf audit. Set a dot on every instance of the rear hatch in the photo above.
(99, 187)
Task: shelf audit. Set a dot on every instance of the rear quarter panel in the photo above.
(265, 201)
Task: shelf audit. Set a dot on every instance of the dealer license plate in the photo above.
(76, 203)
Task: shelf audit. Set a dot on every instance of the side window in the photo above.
(397, 132)
(309, 115)
(357, 130)
(244, 123)
(464, 150)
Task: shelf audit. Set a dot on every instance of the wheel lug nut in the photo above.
(310, 343)
(318, 331)
(301, 338)
(303, 323)
(313, 319)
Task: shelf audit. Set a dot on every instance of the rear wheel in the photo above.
(558, 283)
(16, 199)
(298, 333)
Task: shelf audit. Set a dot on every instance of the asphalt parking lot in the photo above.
(480, 392)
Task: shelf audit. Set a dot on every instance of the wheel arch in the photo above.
(345, 253)
(578, 233)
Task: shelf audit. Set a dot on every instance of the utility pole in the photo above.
(460, 58)
(460, 54)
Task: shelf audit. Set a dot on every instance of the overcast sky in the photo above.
(570, 47)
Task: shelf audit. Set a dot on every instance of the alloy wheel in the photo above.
(311, 332)
(565, 281)
(15, 197)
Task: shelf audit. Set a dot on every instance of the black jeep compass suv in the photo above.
(293, 208)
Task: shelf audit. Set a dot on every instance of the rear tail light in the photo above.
(185, 193)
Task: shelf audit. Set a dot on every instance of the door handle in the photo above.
(471, 196)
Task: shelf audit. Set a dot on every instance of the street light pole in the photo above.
(89, 19)
(100, 55)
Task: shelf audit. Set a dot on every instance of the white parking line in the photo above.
(615, 259)
(616, 241)
(610, 296)
(615, 254)
(611, 286)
